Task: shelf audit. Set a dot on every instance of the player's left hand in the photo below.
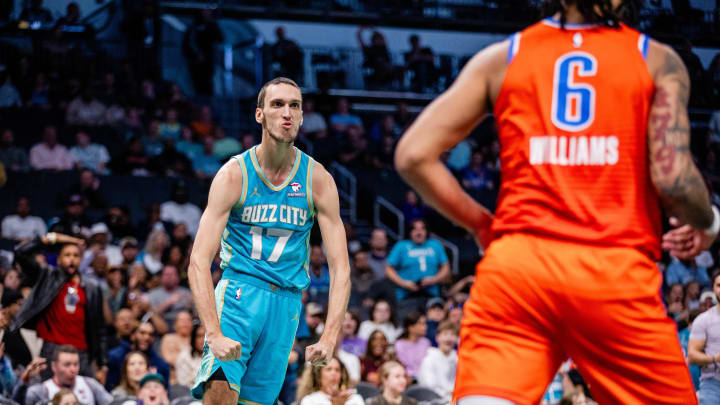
(427, 281)
(319, 354)
(685, 242)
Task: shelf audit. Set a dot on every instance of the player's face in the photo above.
(281, 116)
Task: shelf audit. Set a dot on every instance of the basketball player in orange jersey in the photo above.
(594, 134)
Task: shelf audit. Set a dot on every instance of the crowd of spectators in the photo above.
(134, 331)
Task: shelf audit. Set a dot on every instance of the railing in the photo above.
(347, 190)
(397, 233)
(454, 253)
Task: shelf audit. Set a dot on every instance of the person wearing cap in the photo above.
(435, 313)
(704, 348)
(74, 221)
(100, 244)
(64, 307)
(707, 300)
(152, 390)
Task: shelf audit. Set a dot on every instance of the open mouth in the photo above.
(287, 125)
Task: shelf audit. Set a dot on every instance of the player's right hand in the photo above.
(224, 348)
(686, 242)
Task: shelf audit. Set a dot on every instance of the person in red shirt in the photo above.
(594, 133)
(63, 307)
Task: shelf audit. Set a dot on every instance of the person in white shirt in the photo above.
(179, 209)
(22, 225)
(48, 154)
(90, 155)
(99, 243)
(380, 319)
(437, 370)
(327, 385)
(349, 360)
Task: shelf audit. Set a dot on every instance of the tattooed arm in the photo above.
(681, 188)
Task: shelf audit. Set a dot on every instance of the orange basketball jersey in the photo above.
(572, 117)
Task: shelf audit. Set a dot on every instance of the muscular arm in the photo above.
(441, 126)
(224, 193)
(679, 184)
(325, 198)
(696, 354)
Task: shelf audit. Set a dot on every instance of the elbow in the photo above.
(407, 158)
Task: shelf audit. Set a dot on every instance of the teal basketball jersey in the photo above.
(268, 232)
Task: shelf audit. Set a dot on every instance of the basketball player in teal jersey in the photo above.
(261, 208)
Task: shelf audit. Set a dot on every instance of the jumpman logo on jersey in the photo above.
(295, 318)
(255, 192)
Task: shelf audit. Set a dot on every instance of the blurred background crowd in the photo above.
(115, 116)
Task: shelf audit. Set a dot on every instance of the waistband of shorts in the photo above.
(290, 292)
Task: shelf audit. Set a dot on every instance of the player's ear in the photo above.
(258, 115)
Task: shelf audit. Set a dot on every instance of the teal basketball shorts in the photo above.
(263, 318)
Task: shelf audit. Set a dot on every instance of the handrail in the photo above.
(347, 189)
(455, 259)
(382, 202)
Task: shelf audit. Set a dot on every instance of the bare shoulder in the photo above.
(228, 183)
(664, 61)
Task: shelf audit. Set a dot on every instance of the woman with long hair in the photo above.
(151, 257)
(393, 381)
(381, 317)
(134, 368)
(189, 360)
(412, 346)
(376, 353)
(327, 385)
(173, 343)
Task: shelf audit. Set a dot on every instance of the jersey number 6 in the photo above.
(573, 104)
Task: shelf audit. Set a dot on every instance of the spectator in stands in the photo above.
(36, 15)
(65, 366)
(189, 360)
(13, 158)
(355, 151)
(107, 91)
(22, 225)
(74, 221)
(199, 49)
(88, 186)
(187, 146)
(225, 146)
(313, 123)
(384, 154)
(381, 318)
(377, 352)
(377, 60)
(180, 236)
(692, 295)
(151, 257)
(134, 367)
(704, 348)
(134, 161)
(403, 117)
(48, 154)
(203, 126)
(99, 243)
(124, 325)
(707, 300)
(11, 279)
(89, 155)
(171, 163)
(350, 341)
(342, 120)
(141, 340)
(685, 271)
(412, 208)
(477, 177)
(421, 61)
(171, 127)
(363, 281)
(13, 350)
(153, 142)
(139, 303)
(66, 308)
(417, 266)
(153, 391)
(131, 125)
(437, 370)
(9, 95)
(350, 361)
(86, 110)
(386, 126)
(170, 298)
(412, 346)
(179, 209)
(119, 222)
(173, 343)
(286, 57)
(40, 93)
(319, 276)
(327, 385)
(378, 252)
(65, 397)
(435, 313)
(314, 321)
(393, 380)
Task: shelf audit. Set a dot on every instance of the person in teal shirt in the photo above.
(417, 266)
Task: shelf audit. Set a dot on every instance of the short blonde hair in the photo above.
(387, 367)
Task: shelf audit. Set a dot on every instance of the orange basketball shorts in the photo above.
(537, 301)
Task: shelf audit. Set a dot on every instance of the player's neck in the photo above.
(572, 16)
(274, 156)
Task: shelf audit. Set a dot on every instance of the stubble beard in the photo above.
(275, 137)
